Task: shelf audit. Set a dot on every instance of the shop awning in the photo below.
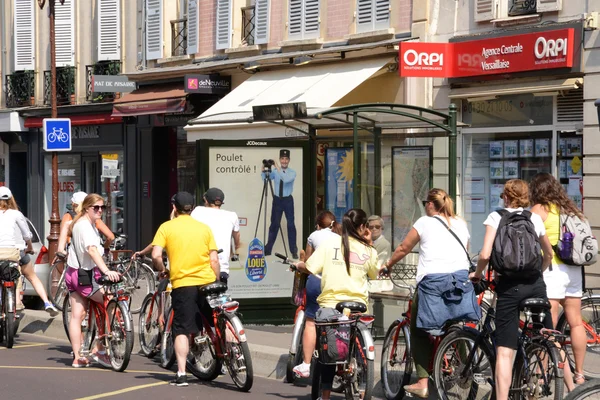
(11, 122)
(490, 91)
(78, 120)
(156, 99)
(320, 87)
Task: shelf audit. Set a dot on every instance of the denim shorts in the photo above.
(313, 290)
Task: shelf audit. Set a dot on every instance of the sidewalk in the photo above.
(269, 344)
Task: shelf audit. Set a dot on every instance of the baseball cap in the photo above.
(183, 201)
(78, 197)
(5, 193)
(214, 194)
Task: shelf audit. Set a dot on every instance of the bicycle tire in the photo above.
(57, 293)
(389, 358)
(144, 283)
(238, 359)
(469, 380)
(590, 313)
(315, 390)
(66, 314)
(9, 317)
(120, 334)
(167, 346)
(202, 359)
(149, 334)
(364, 370)
(295, 359)
(585, 391)
(539, 353)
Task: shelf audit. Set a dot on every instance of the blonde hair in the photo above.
(88, 202)
(442, 202)
(9, 204)
(517, 193)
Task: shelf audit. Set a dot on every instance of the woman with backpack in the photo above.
(513, 287)
(564, 283)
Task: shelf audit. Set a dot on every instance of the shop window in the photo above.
(570, 165)
(69, 182)
(113, 190)
(186, 163)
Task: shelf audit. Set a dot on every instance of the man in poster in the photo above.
(283, 179)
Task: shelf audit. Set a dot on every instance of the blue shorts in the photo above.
(313, 290)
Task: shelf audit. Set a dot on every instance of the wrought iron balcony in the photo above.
(522, 7)
(100, 68)
(20, 89)
(179, 37)
(249, 26)
(65, 86)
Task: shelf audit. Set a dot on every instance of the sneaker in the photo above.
(101, 358)
(50, 309)
(180, 380)
(295, 256)
(302, 370)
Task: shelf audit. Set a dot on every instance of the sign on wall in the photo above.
(339, 173)
(207, 84)
(57, 134)
(112, 84)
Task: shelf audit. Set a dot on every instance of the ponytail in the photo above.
(351, 221)
(442, 202)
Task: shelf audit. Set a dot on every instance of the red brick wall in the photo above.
(277, 21)
(402, 14)
(338, 19)
(207, 10)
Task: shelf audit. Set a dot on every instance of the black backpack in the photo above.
(516, 252)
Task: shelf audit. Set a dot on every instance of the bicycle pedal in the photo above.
(480, 379)
(201, 340)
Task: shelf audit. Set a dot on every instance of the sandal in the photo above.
(578, 379)
(81, 362)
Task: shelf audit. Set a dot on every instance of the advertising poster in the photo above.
(511, 169)
(542, 147)
(339, 172)
(496, 170)
(249, 192)
(526, 148)
(511, 148)
(496, 149)
(411, 180)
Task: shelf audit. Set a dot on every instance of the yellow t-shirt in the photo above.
(188, 244)
(552, 225)
(336, 284)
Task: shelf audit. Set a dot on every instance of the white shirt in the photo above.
(494, 218)
(84, 236)
(10, 221)
(222, 223)
(319, 236)
(439, 251)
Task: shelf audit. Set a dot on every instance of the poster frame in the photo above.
(352, 186)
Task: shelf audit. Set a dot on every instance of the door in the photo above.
(91, 174)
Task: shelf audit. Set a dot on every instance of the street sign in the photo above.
(57, 134)
(112, 84)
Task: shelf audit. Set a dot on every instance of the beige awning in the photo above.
(491, 91)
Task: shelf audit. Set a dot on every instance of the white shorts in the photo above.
(563, 281)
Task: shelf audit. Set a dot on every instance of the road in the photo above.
(40, 368)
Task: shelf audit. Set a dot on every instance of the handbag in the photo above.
(84, 277)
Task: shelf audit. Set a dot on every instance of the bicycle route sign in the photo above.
(57, 134)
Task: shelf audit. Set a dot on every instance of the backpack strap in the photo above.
(455, 237)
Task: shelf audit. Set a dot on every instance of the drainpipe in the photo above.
(452, 135)
(356, 159)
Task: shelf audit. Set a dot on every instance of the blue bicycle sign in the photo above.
(57, 134)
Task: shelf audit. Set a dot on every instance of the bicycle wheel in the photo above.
(237, 358)
(143, 281)
(315, 390)
(66, 313)
(10, 318)
(590, 314)
(588, 391)
(453, 379)
(202, 359)
(539, 375)
(149, 326)
(120, 334)
(396, 360)
(295, 359)
(167, 349)
(57, 289)
(364, 379)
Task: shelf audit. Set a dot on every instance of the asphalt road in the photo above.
(40, 368)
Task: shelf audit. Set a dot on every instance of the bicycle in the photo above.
(588, 391)
(9, 275)
(465, 359)
(295, 355)
(108, 323)
(57, 289)
(153, 314)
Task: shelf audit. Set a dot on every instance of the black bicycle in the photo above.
(588, 391)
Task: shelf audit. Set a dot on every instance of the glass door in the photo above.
(91, 174)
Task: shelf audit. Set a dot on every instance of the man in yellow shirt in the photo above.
(193, 259)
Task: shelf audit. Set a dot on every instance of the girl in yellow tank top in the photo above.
(552, 225)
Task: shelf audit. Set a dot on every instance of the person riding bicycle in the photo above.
(511, 291)
(193, 263)
(224, 225)
(344, 263)
(440, 255)
(84, 266)
(327, 228)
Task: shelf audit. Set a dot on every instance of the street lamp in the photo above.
(54, 216)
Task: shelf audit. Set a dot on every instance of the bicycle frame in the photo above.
(299, 320)
(217, 337)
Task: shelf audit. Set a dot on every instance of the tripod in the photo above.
(267, 184)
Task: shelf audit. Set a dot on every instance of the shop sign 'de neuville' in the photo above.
(207, 84)
(501, 55)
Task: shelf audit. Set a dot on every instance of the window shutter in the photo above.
(549, 5)
(484, 10)
(382, 14)
(24, 34)
(295, 19)
(364, 16)
(261, 20)
(311, 19)
(154, 29)
(109, 30)
(192, 27)
(223, 24)
(64, 22)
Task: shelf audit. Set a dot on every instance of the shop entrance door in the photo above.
(91, 173)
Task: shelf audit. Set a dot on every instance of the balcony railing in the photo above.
(522, 7)
(179, 37)
(20, 89)
(65, 86)
(249, 26)
(100, 68)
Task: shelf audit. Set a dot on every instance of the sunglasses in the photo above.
(98, 208)
(374, 226)
(424, 202)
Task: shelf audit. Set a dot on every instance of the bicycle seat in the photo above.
(535, 302)
(103, 280)
(213, 288)
(354, 306)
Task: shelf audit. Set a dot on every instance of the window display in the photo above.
(570, 165)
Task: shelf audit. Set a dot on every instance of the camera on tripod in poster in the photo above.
(267, 164)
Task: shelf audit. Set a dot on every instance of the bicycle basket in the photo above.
(9, 271)
(333, 338)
